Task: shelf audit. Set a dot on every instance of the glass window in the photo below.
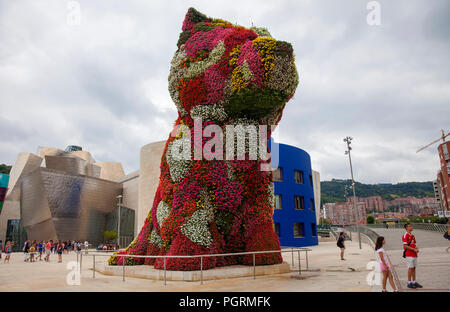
(312, 204)
(299, 202)
(276, 228)
(277, 201)
(298, 176)
(310, 180)
(278, 174)
(298, 229)
(15, 232)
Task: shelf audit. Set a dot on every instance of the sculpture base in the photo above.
(233, 271)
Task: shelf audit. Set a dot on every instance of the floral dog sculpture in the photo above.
(221, 75)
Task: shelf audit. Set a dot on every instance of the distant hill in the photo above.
(334, 190)
(5, 169)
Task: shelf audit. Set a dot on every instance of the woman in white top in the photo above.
(384, 263)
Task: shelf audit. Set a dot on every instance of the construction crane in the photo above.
(441, 138)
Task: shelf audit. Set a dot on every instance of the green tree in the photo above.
(5, 169)
(109, 235)
(334, 190)
(323, 221)
(370, 219)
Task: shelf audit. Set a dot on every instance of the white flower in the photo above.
(271, 192)
(197, 227)
(199, 67)
(162, 212)
(261, 31)
(155, 239)
(214, 112)
(177, 167)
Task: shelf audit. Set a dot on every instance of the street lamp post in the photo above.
(348, 140)
(118, 220)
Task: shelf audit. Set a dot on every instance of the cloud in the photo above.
(103, 84)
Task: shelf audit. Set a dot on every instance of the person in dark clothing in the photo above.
(340, 244)
(26, 248)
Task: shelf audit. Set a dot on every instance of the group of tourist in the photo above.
(34, 251)
(41, 251)
(108, 247)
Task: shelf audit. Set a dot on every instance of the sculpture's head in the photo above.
(223, 71)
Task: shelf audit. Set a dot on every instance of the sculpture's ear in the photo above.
(193, 17)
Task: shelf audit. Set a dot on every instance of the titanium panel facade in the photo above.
(61, 206)
(67, 164)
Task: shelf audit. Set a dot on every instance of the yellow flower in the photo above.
(265, 47)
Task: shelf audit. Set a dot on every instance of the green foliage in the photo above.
(203, 27)
(184, 36)
(195, 16)
(261, 31)
(253, 103)
(334, 190)
(109, 235)
(370, 219)
(5, 169)
(283, 49)
(323, 221)
(223, 221)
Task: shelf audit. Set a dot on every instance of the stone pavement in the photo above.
(326, 273)
(433, 269)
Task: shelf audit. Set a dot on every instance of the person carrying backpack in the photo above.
(340, 244)
(410, 251)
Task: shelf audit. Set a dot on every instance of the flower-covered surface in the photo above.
(226, 75)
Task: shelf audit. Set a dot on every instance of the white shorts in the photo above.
(411, 262)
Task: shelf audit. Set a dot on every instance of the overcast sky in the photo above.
(102, 84)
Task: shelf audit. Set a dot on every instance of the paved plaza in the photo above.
(326, 273)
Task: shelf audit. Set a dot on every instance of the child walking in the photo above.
(59, 250)
(8, 250)
(31, 252)
(384, 264)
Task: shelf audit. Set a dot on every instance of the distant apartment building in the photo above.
(414, 206)
(373, 203)
(443, 177)
(344, 213)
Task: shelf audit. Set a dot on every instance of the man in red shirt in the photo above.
(410, 253)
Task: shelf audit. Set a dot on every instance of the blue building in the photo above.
(294, 214)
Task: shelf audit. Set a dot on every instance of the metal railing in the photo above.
(435, 227)
(253, 253)
(335, 230)
(365, 230)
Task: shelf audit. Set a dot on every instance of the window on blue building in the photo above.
(310, 180)
(298, 176)
(277, 201)
(298, 229)
(299, 202)
(278, 175)
(312, 204)
(276, 228)
(313, 229)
